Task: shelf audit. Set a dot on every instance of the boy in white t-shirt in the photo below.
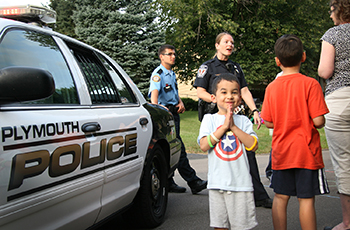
(226, 136)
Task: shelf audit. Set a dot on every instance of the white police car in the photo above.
(78, 140)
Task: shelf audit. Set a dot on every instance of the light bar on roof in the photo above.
(46, 15)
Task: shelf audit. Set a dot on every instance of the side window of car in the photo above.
(124, 92)
(33, 49)
(104, 84)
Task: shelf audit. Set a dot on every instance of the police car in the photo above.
(78, 140)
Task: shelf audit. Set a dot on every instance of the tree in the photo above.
(191, 26)
(64, 10)
(126, 30)
(255, 25)
(263, 22)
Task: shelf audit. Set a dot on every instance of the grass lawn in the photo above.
(190, 128)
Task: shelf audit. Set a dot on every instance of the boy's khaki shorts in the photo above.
(235, 209)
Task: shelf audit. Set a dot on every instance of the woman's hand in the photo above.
(257, 119)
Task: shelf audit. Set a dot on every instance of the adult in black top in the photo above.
(222, 64)
(210, 69)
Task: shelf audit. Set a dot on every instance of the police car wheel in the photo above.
(152, 198)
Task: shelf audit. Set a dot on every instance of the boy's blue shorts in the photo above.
(303, 183)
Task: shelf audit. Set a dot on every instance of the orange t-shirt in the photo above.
(290, 103)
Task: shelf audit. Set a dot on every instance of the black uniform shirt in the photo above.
(208, 71)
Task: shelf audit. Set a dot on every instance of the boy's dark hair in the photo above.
(224, 76)
(289, 50)
(164, 47)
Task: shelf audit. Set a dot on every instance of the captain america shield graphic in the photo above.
(229, 148)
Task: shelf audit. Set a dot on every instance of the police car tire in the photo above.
(152, 198)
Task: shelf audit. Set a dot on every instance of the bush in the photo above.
(190, 104)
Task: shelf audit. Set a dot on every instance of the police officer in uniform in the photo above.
(207, 72)
(163, 90)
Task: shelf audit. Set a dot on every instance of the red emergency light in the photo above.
(11, 11)
(28, 12)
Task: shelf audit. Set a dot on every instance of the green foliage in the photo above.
(190, 104)
(192, 26)
(127, 31)
(263, 22)
(131, 31)
(64, 10)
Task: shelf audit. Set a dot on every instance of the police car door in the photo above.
(124, 127)
(46, 176)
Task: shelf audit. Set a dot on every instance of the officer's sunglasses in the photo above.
(170, 54)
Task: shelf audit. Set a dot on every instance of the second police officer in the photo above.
(163, 90)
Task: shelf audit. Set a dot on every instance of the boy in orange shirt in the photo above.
(294, 107)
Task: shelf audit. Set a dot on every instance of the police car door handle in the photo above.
(143, 121)
(91, 127)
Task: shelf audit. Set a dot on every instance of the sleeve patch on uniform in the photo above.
(202, 71)
(156, 78)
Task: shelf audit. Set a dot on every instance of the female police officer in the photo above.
(206, 74)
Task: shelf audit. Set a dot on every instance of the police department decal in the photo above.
(156, 78)
(229, 148)
(202, 71)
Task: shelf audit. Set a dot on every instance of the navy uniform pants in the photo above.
(184, 167)
(259, 189)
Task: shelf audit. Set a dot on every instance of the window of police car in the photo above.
(97, 72)
(33, 49)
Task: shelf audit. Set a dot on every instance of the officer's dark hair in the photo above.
(224, 76)
(164, 47)
(289, 50)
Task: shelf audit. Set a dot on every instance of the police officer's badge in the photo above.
(202, 71)
(156, 78)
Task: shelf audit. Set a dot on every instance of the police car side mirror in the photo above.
(19, 84)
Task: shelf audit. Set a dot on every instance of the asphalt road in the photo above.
(187, 211)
